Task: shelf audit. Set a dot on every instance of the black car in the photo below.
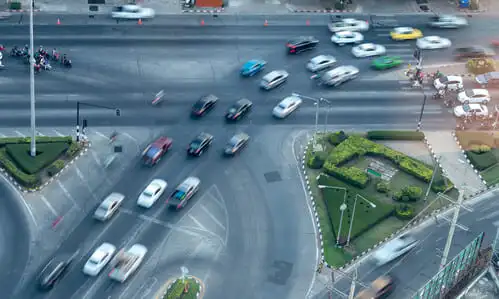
(236, 143)
(239, 109)
(302, 43)
(488, 80)
(204, 104)
(473, 52)
(200, 144)
(54, 271)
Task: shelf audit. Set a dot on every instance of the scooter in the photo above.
(158, 98)
(67, 63)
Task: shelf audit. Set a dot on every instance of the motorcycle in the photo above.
(16, 52)
(439, 95)
(67, 63)
(158, 98)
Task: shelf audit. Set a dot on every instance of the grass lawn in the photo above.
(491, 175)
(176, 290)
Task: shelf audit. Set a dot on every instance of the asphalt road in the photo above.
(125, 67)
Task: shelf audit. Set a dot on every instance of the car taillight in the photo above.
(179, 206)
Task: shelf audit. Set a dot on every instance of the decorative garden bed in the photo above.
(382, 189)
(183, 288)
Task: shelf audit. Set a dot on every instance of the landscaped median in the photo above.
(482, 150)
(364, 190)
(53, 153)
(188, 287)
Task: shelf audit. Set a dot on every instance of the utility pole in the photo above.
(452, 229)
(32, 82)
(352, 286)
(435, 169)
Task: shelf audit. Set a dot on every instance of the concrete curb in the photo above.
(326, 11)
(21, 10)
(218, 10)
(164, 289)
(472, 166)
(25, 190)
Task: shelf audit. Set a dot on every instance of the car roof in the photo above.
(403, 29)
(300, 39)
(494, 75)
(479, 91)
(344, 33)
(243, 101)
(111, 198)
(343, 68)
(367, 45)
(454, 77)
(161, 141)
(432, 37)
(350, 20)
(203, 136)
(381, 282)
(206, 98)
(137, 249)
(319, 58)
(274, 74)
(290, 99)
(476, 106)
(188, 182)
(238, 137)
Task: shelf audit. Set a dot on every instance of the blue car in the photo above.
(252, 67)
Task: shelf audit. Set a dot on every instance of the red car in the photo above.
(153, 153)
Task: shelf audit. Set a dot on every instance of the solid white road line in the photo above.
(39, 133)
(198, 223)
(20, 134)
(47, 203)
(101, 135)
(68, 195)
(58, 133)
(218, 198)
(83, 179)
(217, 222)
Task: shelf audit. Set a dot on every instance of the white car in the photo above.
(348, 25)
(347, 37)
(109, 206)
(99, 259)
(448, 21)
(339, 75)
(286, 106)
(394, 249)
(474, 96)
(151, 194)
(433, 42)
(452, 82)
(320, 62)
(132, 12)
(273, 79)
(470, 110)
(368, 50)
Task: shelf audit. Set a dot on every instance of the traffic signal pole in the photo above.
(117, 111)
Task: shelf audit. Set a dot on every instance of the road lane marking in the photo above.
(68, 195)
(489, 216)
(197, 222)
(20, 134)
(96, 158)
(218, 198)
(101, 135)
(130, 137)
(47, 203)
(39, 133)
(212, 216)
(58, 133)
(82, 177)
(144, 289)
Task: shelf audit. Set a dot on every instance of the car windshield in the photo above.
(152, 152)
(470, 93)
(283, 106)
(94, 260)
(179, 195)
(148, 192)
(444, 80)
(233, 110)
(340, 24)
(195, 144)
(199, 104)
(233, 141)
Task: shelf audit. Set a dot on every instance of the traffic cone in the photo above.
(202, 22)
(265, 23)
(58, 22)
(139, 22)
(308, 23)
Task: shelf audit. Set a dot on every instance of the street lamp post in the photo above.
(317, 104)
(343, 206)
(32, 82)
(353, 214)
(327, 115)
(78, 104)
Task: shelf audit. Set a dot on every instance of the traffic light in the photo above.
(85, 124)
(118, 112)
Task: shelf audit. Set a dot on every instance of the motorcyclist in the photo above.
(2, 48)
(55, 54)
(25, 50)
(42, 51)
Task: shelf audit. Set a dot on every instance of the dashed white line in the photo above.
(20, 134)
(130, 137)
(58, 133)
(197, 222)
(217, 197)
(212, 216)
(101, 135)
(82, 178)
(47, 203)
(39, 133)
(96, 158)
(68, 195)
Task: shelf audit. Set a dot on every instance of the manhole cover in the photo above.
(272, 176)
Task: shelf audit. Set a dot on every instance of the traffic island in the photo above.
(188, 287)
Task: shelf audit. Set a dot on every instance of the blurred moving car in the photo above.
(109, 206)
(156, 150)
(368, 50)
(252, 67)
(126, 262)
(474, 96)
(204, 105)
(132, 12)
(99, 259)
(236, 143)
(339, 75)
(274, 79)
(184, 192)
(382, 287)
(394, 249)
(433, 42)
(320, 62)
(473, 52)
(286, 106)
(301, 44)
(468, 110)
(448, 21)
(347, 37)
(488, 80)
(450, 82)
(405, 33)
(151, 193)
(238, 110)
(348, 24)
(386, 62)
(201, 143)
(55, 270)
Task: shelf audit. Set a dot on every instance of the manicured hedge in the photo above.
(39, 139)
(177, 289)
(395, 135)
(316, 160)
(352, 175)
(48, 153)
(26, 180)
(404, 212)
(336, 137)
(478, 66)
(482, 161)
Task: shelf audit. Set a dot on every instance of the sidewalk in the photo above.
(453, 161)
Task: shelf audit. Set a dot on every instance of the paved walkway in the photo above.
(454, 162)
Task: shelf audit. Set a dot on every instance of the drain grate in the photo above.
(272, 176)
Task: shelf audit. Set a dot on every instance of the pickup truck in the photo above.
(126, 262)
(184, 192)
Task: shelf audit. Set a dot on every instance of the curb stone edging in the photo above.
(187, 276)
(218, 10)
(321, 11)
(26, 190)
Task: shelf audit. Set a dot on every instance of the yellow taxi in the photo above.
(405, 33)
(382, 287)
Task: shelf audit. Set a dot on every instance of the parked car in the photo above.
(347, 37)
(474, 96)
(132, 12)
(451, 82)
(468, 110)
(320, 62)
(286, 106)
(301, 44)
(348, 24)
(488, 80)
(274, 79)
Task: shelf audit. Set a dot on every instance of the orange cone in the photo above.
(265, 23)
(308, 23)
(139, 22)
(58, 22)
(202, 22)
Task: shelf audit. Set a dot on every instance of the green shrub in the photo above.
(404, 211)
(352, 175)
(336, 138)
(55, 167)
(383, 187)
(26, 180)
(482, 161)
(39, 139)
(408, 193)
(478, 66)
(176, 290)
(316, 160)
(395, 135)
(15, 5)
(480, 149)
(48, 153)
(73, 150)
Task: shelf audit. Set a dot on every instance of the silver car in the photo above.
(109, 206)
(339, 75)
(273, 79)
(320, 62)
